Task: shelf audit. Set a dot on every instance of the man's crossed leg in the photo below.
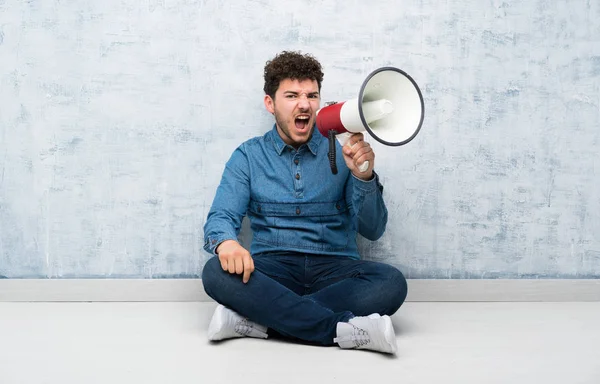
(317, 299)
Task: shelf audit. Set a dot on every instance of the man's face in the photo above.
(295, 105)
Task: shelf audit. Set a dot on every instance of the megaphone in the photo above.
(389, 107)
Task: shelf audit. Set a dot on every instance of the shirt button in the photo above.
(337, 206)
(258, 209)
(297, 176)
(297, 211)
(296, 161)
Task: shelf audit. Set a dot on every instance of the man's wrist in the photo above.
(364, 176)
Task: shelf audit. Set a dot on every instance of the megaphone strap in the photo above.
(331, 153)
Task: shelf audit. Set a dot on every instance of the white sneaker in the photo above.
(227, 324)
(372, 332)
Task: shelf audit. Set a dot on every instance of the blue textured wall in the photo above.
(117, 116)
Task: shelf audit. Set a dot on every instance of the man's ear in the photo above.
(269, 104)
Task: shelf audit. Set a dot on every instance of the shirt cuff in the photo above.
(368, 186)
(212, 243)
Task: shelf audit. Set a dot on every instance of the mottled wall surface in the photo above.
(117, 116)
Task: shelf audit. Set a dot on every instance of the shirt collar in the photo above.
(280, 145)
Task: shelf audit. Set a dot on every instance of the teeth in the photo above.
(302, 117)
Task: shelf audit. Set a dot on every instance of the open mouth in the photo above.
(302, 122)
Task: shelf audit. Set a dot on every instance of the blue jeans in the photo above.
(303, 297)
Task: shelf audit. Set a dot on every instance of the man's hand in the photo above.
(356, 152)
(235, 259)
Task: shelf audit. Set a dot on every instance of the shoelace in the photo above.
(359, 336)
(243, 327)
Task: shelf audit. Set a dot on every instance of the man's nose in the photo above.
(303, 102)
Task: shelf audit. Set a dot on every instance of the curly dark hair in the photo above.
(291, 65)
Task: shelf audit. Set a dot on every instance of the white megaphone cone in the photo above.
(389, 107)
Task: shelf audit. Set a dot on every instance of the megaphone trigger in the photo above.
(363, 167)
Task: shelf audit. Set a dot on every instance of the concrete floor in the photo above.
(166, 343)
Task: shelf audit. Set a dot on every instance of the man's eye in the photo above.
(291, 96)
(313, 96)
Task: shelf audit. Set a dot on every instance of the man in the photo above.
(303, 278)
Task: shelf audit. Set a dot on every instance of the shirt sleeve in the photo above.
(368, 206)
(230, 203)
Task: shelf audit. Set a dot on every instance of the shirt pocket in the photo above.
(302, 226)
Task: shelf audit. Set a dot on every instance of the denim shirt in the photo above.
(293, 201)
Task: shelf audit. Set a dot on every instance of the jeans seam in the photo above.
(360, 272)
